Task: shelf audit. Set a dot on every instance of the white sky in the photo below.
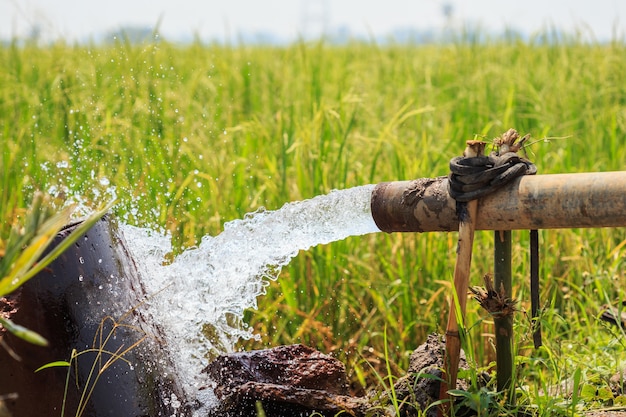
(211, 19)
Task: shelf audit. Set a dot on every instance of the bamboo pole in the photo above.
(503, 320)
(461, 286)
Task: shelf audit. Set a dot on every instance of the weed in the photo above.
(103, 359)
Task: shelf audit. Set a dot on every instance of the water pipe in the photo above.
(90, 301)
(530, 202)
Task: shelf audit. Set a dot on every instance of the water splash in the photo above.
(199, 299)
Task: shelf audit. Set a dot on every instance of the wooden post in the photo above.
(461, 286)
(503, 320)
(534, 287)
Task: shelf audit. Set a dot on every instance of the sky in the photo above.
(82, 20)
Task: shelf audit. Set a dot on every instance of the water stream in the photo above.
(199, 299)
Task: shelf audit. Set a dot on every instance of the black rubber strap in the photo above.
(474, 178)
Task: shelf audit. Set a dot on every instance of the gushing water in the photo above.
(199, 299)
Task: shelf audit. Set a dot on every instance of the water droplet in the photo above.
(81, 260)
(80, 278)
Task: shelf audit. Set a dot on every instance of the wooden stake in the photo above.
(534, 287)
(503, 320)
(467, 223)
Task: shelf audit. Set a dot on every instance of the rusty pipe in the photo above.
(552, 201)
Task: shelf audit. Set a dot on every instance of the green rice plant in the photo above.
(191, 136)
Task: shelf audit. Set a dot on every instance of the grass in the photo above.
(103, 359)
(193, 136)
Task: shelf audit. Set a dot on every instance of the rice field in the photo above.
(188, 137)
